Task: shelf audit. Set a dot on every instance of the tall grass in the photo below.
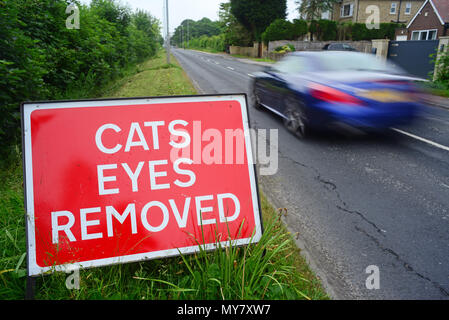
(256, 271)
(264, 270)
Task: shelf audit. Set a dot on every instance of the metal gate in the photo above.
(414, 56)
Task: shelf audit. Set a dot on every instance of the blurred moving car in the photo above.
(338, 47)
(332, 89)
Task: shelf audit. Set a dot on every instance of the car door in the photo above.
(264, 87)
(284, 73)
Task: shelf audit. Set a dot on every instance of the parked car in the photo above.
(338, 47)
(336, 90)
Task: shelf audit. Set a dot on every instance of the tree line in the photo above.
(42, 59)
(243, 22)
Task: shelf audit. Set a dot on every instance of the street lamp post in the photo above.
(182, 36)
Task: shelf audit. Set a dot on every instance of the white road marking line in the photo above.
(440, 146)
(236, 73)
(251, 75)
(217, 62)
(230, 68)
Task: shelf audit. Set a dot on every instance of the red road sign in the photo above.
(114, 181)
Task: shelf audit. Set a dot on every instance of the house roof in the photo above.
(441, 8)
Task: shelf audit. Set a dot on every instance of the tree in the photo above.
(41, 59)
(234, 32)
(281, 29)
(257, 15)
(312, 9)
(300, 28)
(113, 12)
(325, 30)
(189, 29)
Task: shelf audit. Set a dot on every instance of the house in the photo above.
(430, 22)
(399, 11)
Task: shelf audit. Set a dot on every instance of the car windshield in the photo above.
(345, 61)
(291, 64)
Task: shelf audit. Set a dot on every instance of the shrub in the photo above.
(300, 28)
(40, 59)
(285, 49)
(324, 30)
(279, 29)
(285, 30)
(442, 68)
(216, 43)
(359, 31)
(291, 47)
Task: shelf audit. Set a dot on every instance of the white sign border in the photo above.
(28, 107)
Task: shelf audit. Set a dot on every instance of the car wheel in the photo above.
(294, 120)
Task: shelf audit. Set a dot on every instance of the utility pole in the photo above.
(182, 36)
(167, 32)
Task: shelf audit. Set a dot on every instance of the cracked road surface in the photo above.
(356, 201)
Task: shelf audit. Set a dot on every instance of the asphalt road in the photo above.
(356, 201)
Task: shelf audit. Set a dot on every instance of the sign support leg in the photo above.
(30, 288)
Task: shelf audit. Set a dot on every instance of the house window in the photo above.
(408, 8)
(393, 8)
(346, 10)
(424, 34)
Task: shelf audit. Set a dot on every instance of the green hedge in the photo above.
(41, 59)
(359, 31)
(327, 30)
(324, 30)
(285, 30)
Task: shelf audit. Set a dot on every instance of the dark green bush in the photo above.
(284, 49)
(279, 29)
(285, 30)
(40, 59)
(216, 43)
(324, 30)
(359, 31)
(300, 28)
(442, 69)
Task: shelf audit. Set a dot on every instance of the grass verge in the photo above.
(270, 269)
(254, 59)
(436, 88)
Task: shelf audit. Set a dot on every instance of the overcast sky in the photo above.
(180, 10)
